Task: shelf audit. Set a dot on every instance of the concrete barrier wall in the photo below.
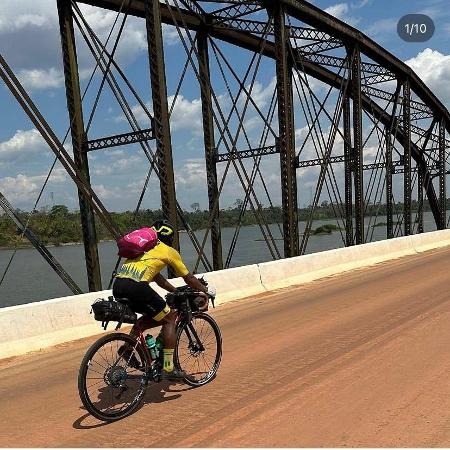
(429, 241)
(40, 325)
(288, 272)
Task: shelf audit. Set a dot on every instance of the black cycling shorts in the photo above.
(143, 299)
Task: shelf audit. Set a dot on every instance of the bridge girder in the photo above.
(297, 50)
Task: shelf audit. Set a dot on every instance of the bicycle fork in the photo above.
(195, 345)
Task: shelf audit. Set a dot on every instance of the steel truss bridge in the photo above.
(339, 102)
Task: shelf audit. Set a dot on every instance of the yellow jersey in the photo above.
(151, 263)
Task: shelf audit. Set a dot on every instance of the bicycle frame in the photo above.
(190, 332)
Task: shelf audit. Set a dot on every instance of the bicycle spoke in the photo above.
(106, 361)
(91, 385)
(98, 373)
(200, 356)
(117, 391)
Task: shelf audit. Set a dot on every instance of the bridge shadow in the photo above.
(162, 392)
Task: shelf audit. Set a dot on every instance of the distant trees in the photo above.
(58, 225)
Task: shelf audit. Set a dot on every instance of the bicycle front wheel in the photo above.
(112, 377)
(198, 350)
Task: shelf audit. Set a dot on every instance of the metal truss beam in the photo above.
(196, 18)
(161, 113)
(313, 16)
(210, 153)
(323, 23)
(407, 159)
(121, 139)
(250, 153)
(376, 79)
(420, 201)
(39, 246)
(358, 156)
(334, 61)
(342, 159)
(442, 176)
(319, 19)
(430, 136)
(348, 170)
(236, 11)
(286, 135)
(388, 96)
(320, 161)
(74, 105)
(390, 166)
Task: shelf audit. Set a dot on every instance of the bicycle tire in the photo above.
(85, 366)
(197, 320)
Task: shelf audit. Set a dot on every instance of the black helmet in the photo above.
(165, 231)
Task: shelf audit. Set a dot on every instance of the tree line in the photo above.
(57, 225)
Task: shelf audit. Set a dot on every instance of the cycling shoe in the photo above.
(174, 375)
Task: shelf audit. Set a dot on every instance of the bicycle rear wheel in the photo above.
(112, 377)
(198, 349)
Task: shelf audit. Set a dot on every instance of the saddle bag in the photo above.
(109, 310)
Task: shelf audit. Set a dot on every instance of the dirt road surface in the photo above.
(361, 359)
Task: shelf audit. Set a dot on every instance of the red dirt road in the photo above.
(361, 359)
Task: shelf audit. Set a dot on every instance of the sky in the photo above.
(29, 41)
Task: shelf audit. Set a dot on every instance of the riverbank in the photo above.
(28, 245)
(58, 226)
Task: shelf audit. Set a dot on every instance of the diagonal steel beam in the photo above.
(30, 109)
(39, 246)
(315, 17)
(318, 18)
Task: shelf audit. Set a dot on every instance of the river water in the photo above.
(31, 279)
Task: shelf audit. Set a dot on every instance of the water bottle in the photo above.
(151, 344)
(159, 343)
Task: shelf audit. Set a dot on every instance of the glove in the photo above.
(212, 292)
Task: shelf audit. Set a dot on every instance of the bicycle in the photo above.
(117, 369)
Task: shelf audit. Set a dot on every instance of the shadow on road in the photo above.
(155, 393)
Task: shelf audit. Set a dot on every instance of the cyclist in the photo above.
(132, 282)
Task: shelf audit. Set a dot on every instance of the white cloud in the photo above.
(191, 175)
(33, 79)
(21, 145)
(23, 189)
(382, 28)
(29, 31)
(341, 12)
(108, 193)
(24, 14)
(24, 21)
(433, 68)
(261, 94)
(172, 37)
(361, 4)
(128, 163)
(186, 115)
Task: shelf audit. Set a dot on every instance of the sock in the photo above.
(168, 359)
